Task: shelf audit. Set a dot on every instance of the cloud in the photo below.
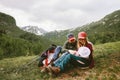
(18, 4)
(58, 14)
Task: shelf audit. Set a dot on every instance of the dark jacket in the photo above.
(69, 46)
(44, 55)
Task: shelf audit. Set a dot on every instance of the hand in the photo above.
(72, 51)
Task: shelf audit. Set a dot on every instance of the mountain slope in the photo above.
(16, 42)
(34, 29)
(102, 31)
(8, 25)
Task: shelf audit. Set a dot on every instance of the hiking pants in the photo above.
(70, 59)
(57, 52)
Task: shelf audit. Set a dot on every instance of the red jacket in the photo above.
(90, 46)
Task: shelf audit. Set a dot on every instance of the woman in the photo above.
(82, 41)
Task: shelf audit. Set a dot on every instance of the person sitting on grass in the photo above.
(70, 44)
(61, 64)
(48, 53)
(48, 58)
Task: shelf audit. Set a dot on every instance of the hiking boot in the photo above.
(44, 70)
(53, 69)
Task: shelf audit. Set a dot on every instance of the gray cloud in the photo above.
(18, 4)
(63, 13)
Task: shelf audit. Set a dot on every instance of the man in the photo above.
(61, 64)
(70, 44)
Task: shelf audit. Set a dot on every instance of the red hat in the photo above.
(82, 35)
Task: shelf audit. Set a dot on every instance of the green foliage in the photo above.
(7, 19)
(39, 43)
(30, 37)
(57, 37)
(104, 30)
(11, 47)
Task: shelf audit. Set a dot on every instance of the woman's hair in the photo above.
(79, 44)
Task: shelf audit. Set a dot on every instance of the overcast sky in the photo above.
(57, 14)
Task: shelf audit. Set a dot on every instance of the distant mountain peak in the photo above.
(34, 29)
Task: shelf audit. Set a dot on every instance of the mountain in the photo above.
(105, 30)
(34, 29)
(16, 42)
(8, 25)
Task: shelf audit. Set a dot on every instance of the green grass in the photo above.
(107, 67)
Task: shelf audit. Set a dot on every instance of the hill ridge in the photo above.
(105, 30)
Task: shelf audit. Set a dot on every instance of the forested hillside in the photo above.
(105, 30)
(16, 42)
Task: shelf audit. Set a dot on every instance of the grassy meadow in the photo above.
(107, 67)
